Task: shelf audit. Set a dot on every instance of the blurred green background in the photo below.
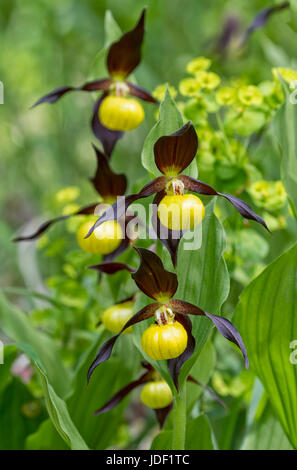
(49, 43)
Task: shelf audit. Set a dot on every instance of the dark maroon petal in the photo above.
(141, 93)
(43, 227)
(244, 209)
(123, 246)
(185, 308)
(105, 181)
(121, 394)
(54, 95)
(191, 184)
(152, 278)
(162, 414)
(125, 54)
(174, 152)
(208, 390)
(106, 350)
(261, 19)
(112, 267)
(126, 241)
(225, 327)
(175, 365)
(96, 85)
(228, 330)
(119, 208)
(169, 238)
(107, 137)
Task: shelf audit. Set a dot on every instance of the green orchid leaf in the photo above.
(17, 326)
(203, 279)
(266, 433)
(170, 120)
(9, 355)
(59, 414)
(198, 436)
(20, 412)
(265, 317)
(54, 378)
(45, 438)
(105, 382)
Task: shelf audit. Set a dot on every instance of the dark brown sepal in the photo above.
(162, 414)
(175, 365)
(125, 55)
(105, 181)
(121, 394)
(123, 246)
(87, 210)
(175, 152)
(152, 278)
(107, 137)
(191, 184)
(106, 350)
(97, 85)
(208, 390)
(112, 267)
(185, 308)
(141, 93)
(119, 208)
(54, 95)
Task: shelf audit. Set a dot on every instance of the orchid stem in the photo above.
(180, 417)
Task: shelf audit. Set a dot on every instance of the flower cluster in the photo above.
(170, 338)
(226, 117)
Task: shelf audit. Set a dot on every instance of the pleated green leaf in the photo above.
(266, 433)
(17, 326)
(198, 436)
(106, 381)
(54, 378)
(45, 438)
(59, 414)
(266, 318)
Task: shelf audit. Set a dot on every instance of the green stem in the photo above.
(230, 154)
(179, 417)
